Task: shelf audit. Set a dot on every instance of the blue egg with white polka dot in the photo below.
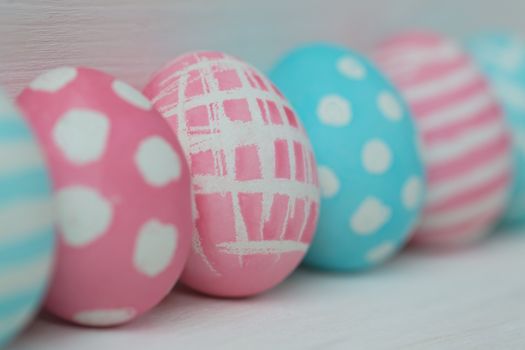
(370, 169)
(26, 223)
(502, 58)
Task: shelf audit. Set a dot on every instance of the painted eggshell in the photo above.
(122, 192)
(466, 143)
(502, 60)
(370, 171)
(26, 223)
(256, 193)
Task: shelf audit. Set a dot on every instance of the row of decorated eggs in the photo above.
(127, 218)
(434, 157)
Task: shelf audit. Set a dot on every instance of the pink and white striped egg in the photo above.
(122, 192)
(255, 186)
(463, 134)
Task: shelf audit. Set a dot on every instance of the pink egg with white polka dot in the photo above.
(255, 186)
(122, 193)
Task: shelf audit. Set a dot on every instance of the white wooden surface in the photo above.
(132, 38)
(474, 299)
(471, 299)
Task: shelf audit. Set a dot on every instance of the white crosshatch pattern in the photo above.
(258, 131)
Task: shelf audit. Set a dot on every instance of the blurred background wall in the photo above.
(132, 38)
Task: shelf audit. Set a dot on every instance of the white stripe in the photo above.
(452, 81)
(169, 110)
(251, 135)
(464, 236)
(294, 189)
(179, 87)
(24, 219)
(410, 56)
(262, 247)
(473, 234)
(456, 216)
(19, 155)
(171, 82)
(476, 177)
(14, 322)
(31, 275)
(471, 140)
(458, 112)
(196, 244)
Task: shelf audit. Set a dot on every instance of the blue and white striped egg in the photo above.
(502, 58)
(370, 170)
(26, 223)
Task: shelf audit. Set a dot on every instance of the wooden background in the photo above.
(132, 38)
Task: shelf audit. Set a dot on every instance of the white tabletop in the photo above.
(469, 299)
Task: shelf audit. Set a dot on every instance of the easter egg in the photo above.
(255, 187)
(26, 223)
(465, 140)
(370, 171)
(502, 59)
(122, 194)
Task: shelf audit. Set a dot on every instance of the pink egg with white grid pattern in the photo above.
(466, 146)
(255, 186)
(122, 192)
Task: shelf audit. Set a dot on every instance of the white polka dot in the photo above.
(157, 161)
(371, 215)
(54, 80)
(104, 317)
(376, 156)
(389, 105)
(381, 253)
(83, 214)
(131, 95)
(412, 191)
(155, 247)
(334, 110)
(351, 68)
(328, 181)
(82, 134)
